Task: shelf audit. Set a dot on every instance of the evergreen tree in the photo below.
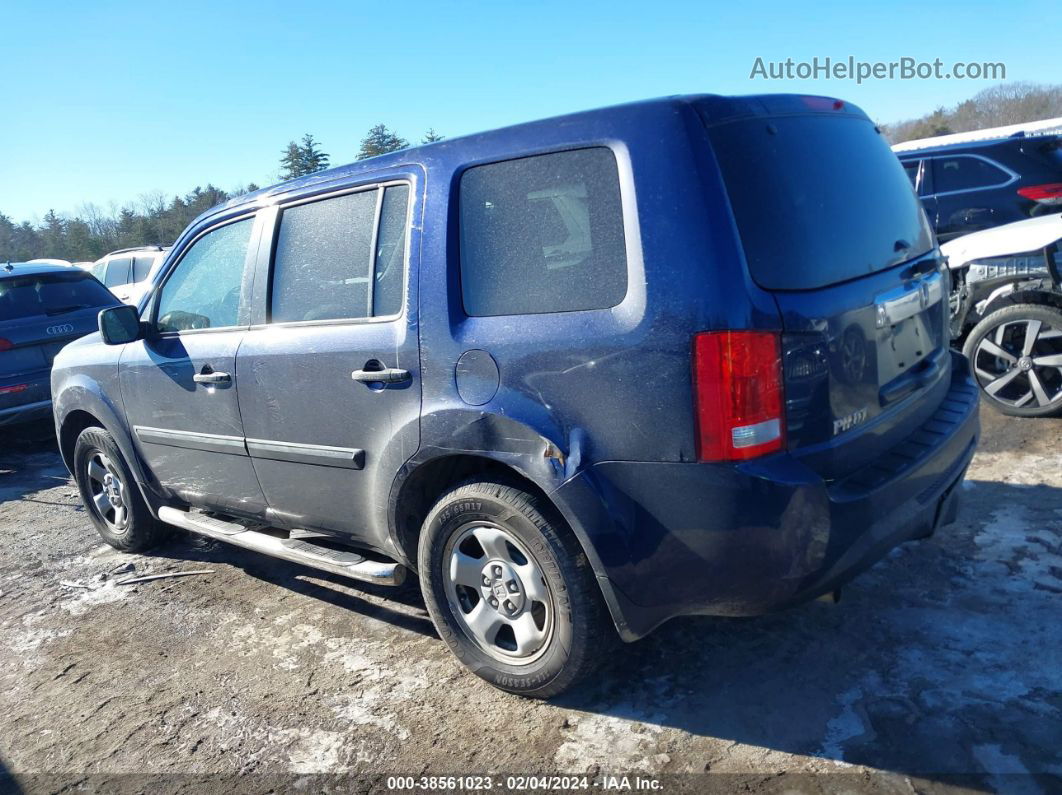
(431, 136)
(299, 160)
(379, 141)
(291, 162)
(52, 236)
(313, 159)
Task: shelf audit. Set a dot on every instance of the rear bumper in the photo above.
(32, 403)
(26, 413)
(678, 539)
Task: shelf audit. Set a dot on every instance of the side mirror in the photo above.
(119, 324)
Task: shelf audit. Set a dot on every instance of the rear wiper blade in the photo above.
(62, 310)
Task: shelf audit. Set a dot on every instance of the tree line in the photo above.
(155, 219)
(306, 156)
(1008, 103)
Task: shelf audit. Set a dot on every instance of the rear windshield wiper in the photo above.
(62, 310)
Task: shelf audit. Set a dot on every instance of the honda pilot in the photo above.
(580, 376)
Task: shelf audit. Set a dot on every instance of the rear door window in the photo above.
(818, 199)
(325, 266)
(142, 267)
(117, 272)
(965, 172)
(543, 234)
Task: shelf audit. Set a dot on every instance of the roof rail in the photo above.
(133, 248)
(1023, 130)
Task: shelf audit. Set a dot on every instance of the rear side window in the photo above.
(818, 199)
(965, 173)
(391, 252)
(543, 234)
(324, 266)
(911, 167)
(142, 267)
(117, 272)
(51, 295)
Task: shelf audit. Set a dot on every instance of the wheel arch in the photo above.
(421, 484)
(81, 405)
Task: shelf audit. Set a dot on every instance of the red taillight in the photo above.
(6, 344)
(737, 391)
(12, 390)
(1051, 193)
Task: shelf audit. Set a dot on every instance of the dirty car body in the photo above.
(590, 383)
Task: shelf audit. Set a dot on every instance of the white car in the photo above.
(49, 261)
(129, 272)
(1006, 311)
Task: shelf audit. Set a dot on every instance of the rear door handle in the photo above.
(389, 375)
(212, 378)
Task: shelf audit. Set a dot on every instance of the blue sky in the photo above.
(106, 101)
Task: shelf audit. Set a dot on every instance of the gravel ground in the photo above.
(940, 669)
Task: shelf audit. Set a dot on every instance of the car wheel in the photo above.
(510, 590)
(1016, 356)
(111, 497)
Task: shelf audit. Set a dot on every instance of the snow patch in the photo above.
(622, 742)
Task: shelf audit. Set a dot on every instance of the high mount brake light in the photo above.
(738, 398)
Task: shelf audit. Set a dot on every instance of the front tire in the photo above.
(1016, 356)
(510, 590)
(110, 495)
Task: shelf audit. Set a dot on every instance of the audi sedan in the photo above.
(42, 308)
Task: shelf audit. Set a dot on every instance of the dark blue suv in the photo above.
(42, 308)
(976, 185)
(581, 375)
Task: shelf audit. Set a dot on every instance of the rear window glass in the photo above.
(51, 294)
(965, 173)
(543, 234)
(818, 199)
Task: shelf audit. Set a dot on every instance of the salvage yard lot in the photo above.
(944, 660)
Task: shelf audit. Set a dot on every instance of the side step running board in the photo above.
(344, 563)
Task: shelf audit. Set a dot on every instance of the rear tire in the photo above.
(1016, 355)
(511, 591)
(111, 497)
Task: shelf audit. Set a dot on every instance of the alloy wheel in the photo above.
(1019, 363)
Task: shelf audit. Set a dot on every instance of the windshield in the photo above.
(51, 294)
(818, 199)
